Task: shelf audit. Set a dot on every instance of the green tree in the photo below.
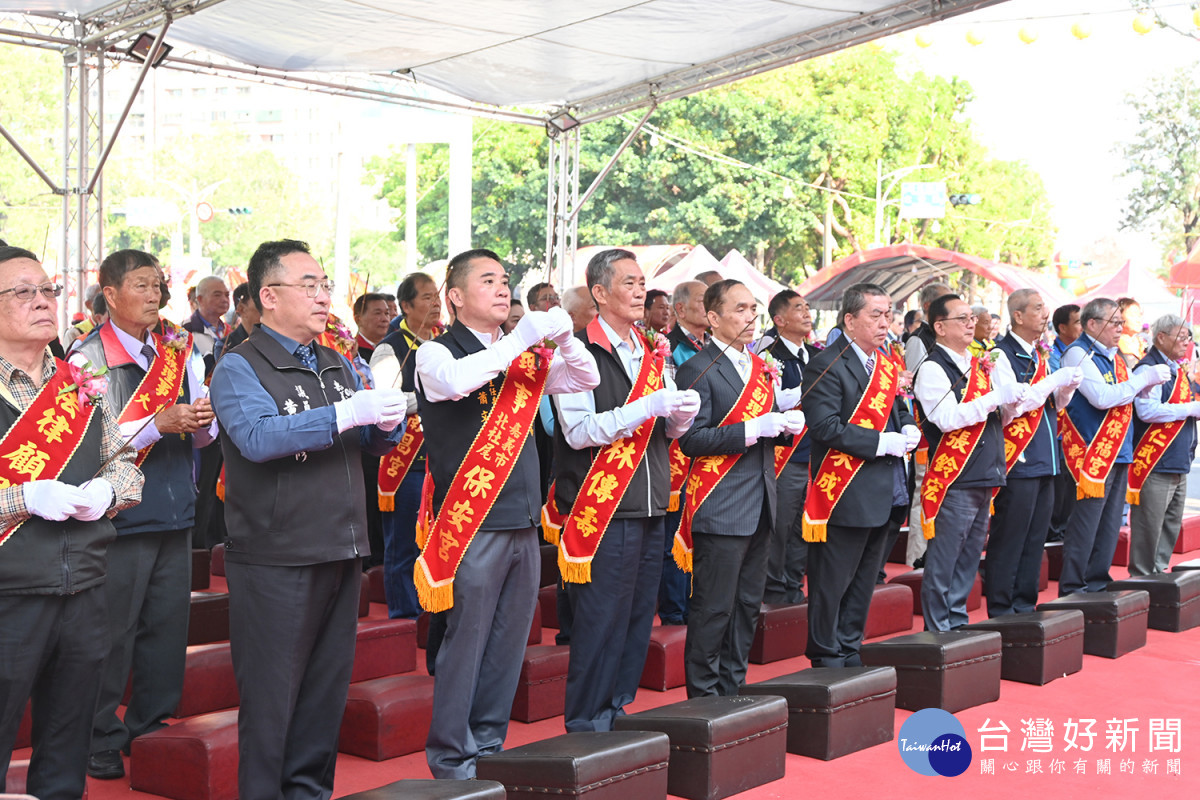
(1164, 159)
(31, 109)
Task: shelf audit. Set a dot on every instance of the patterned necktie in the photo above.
(870, 364)
(306, 356)
(149, 353)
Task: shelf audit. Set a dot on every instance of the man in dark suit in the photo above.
(843, 563)
(731, 526)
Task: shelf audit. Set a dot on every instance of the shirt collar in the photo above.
(1026, 346)
(858, 351)
(286, 342)
(615, 340)
(486, 338)
(963, 362)
(735, 357)
(49, 367)
(132, 346)
(797, 351)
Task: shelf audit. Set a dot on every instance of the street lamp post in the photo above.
(881, 194)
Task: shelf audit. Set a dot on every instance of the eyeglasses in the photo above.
(310, 289)
(966, 318)
(25, 292)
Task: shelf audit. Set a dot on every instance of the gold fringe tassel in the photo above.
(550, 531)
(574, 571)
(927, 527)
(220, 491)
(683, 558)
(1133, 496)
(387, 502)
(673, 503)
(922, 456)
(433, 598)
(1089, 487)
(422, 532)
(813, 531)
(992, 508)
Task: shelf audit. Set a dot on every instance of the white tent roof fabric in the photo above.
(600, 55)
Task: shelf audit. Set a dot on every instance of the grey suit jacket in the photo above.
(736, 503)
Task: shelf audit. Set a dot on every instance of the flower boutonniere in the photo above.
(89, 382)
(771, 367)
(1042, 347)
(340, 336)
(904, 384)
(987, 361)
(173, 337)
(657, 343)
(544, 350)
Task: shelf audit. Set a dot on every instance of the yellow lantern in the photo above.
(1143, 23)
(1027, 34)
(1081, 30)
(923, 40)
(1196, 17)
(974, 38)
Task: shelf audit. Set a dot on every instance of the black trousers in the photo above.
(292, 634)
(51, 649)
(841, 582)
(1016, 542)
(728, 577)
(1092, 535)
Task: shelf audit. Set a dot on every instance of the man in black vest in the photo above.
(495, 586)
(1017, 536)
(614, 611)
(149, 582)
(55, 532)
(952, 556)
(787, 559)
(732, 528)
(294, 420)
(1155, 520)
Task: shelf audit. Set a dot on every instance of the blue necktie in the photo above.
(149, 353)
(306, 356)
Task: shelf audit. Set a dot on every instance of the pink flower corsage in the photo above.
(173, 338)
(771, 368)
(544, 350)
(904, 384)
(988, 360)
(1042, 347)
(88, 381)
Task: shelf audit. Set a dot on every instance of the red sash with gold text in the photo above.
(160, 387)
(395, 465)
(679, 470)
(1019, 433)
(43, 439)
(1090, 462)
(604, 486)
(837, 468)
(953, 451)
(757, 397)
(480, 478)
(1155, 441)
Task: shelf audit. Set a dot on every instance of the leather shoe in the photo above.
(106, 765)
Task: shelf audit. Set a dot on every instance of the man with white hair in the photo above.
(1164, 446)
(579, 304)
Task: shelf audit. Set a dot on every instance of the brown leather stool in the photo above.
(387, 717)
(201, 569)
(781, 632)
(835, 711)
(384, 647)
(950, 671)
(433, 790)
(1174, 598)
(720, 746)
(208, 617)
(1039, 646)
(1114, 622)
(913, 581)
(601, 765)
(890, 610)
(196, 759)
(542, 687)
(664, 659)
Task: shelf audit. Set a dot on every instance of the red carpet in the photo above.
(1157, 682)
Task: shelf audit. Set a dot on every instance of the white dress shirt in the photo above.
(444, 377)
(941, 406)
(1149, 406)
(583, 426)
(1037, 398)
(1097, 391)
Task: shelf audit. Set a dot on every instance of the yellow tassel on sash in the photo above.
(927, 527)
(813, 531)
(422, 532)
(1088, 487)
(387, 502)
(683, 559)
(1133, 496)
(673, 503)
(922, 456)
(550, 531)
(433, 598)
(574, 571)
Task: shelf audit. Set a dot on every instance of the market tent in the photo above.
(701, 260)
(652, 258)
(737, 264)
(904, 268)
(1130, 281)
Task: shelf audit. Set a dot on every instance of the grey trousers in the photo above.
(479, 662)
(787, 555)
(1154, 523)
(952, 557)
(1092, 535)
(148, 593)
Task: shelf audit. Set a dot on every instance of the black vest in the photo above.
(169, 495)
(985, 467)
(399, 340)
(301, 509)
(1179, 456)
(650, 488)
(58, 558)
(1040, 458)
(451, 427)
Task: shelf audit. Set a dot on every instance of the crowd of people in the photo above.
(684, 463)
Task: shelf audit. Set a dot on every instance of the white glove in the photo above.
(1065, 376)
(1194, 409)
(536, 326)
(100, 495)
(564, 326)
(788, 398)
(795, 421)
(912, 437)
(892, 443)
(1013, 393)
(687, 409)
(1158, 374)
(662, 403)
(768, 426)
(53, 500)
(383, 407)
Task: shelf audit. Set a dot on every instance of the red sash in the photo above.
(161, 386)
(1155, 440)
(679, 469)
(605, 484)
(479, 480)
(1019, 433)
(395, 465)
(1090, 462)
(837, 468)
(953, 451)
(43, 439)
(757, 397)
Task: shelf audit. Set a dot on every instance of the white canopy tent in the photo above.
(533, 61)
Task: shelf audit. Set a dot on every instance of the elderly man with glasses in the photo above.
(295, 419)
(1097, 437)
(64, 474)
